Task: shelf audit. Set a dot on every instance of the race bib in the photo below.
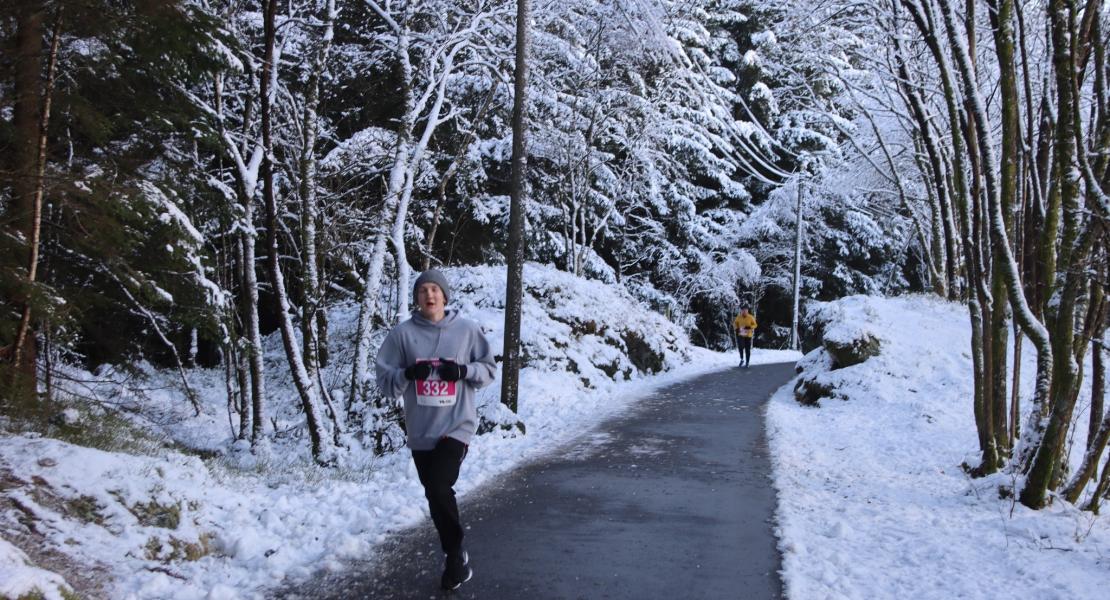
(434, 391)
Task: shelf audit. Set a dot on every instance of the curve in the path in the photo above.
(673, 500)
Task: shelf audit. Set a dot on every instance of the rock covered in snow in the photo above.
(845, 333)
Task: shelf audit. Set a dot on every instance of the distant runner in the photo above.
(744, 326)
(437, 360)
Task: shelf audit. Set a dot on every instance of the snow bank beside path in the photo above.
(165, 525)
(873, 502)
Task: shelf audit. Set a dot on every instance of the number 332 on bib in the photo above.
(435, 392)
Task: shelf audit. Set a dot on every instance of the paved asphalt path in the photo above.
(672, 499)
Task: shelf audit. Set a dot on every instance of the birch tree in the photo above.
(426, 63)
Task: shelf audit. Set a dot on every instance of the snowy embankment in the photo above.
(873, 502)
(154, 522)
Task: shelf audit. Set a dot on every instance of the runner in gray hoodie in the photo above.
(437, 360)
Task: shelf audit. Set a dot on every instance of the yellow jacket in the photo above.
(744, 324)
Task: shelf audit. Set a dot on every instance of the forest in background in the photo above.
(183, 177)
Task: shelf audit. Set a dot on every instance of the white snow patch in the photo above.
(873, 502)
(19, 579)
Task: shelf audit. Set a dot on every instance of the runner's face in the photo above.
(430, 299)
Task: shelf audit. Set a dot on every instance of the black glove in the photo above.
(418, 371)
(450, 370)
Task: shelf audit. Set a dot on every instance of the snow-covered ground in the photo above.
(873, 502)
(160, 523)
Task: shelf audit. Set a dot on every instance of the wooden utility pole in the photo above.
(794, 342)
(510, 376)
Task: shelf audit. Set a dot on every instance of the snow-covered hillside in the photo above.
(162, 523)
(873, 502)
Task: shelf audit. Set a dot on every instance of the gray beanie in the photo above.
(432, 276)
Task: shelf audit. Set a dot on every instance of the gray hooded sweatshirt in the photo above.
(435, 409)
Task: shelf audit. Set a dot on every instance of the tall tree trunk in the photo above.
(311, 281)
(306, 385)
(235, 356)
(510, 375)
(981, 169)
(999, 236)
(29, 116)
(249, 306)
(1002, 21)
(371, 290)
(961, 127)
(247, 176)
(942, 247)
(1033, 214)
(1077, 242)
(1097, 330)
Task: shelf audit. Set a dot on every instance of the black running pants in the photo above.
(439, 470)
(744, 343)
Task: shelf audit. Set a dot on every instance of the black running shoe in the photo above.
(457, 571)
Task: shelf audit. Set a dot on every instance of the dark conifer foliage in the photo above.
(114, 251)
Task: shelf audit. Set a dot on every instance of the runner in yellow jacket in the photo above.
(744, 326)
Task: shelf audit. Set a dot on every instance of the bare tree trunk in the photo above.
(1002, 21)
(943, 241)
(1096, 444)
(371, 290)
(964, 47)
(1015, 392)
(306, 385)
(1033, 213)
(1101, 490)
(246, 174)
(403, 175)
(1076, 244)
(1098, 426)
(32, 120)
(236, 343)
(413, 160)
(311, 282)
(999, 236)
(1098, 376)
(246, 408)
(510, 377)
(249, 302)
(962, 127)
